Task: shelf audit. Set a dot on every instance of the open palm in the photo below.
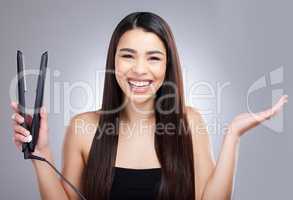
(245, 121)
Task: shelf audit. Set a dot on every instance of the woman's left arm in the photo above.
(220, 184)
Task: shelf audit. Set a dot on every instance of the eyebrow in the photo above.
(148, 53)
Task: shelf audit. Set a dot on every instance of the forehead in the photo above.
(141, 41)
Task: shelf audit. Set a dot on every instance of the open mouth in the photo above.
(139, 86)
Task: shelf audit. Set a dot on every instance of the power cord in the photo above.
(28, 155)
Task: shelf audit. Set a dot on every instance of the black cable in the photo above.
(28, 155)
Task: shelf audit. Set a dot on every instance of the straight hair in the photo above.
(174, 150)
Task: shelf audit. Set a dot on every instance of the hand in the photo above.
(245, 121)
(21, 135)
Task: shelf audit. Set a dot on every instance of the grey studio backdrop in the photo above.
(229, 50)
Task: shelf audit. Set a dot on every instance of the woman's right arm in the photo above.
(50, 185)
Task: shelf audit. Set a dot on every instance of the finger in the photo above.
(285, 97)
(19, 129)
(28, 118)
(278, 106)
(267, 114)
(44, 118)
(21, 138)
(17, 118)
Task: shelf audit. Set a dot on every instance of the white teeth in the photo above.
(139, 83)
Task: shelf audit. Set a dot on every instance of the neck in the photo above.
(134, 112)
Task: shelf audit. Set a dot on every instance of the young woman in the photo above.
(146, 143)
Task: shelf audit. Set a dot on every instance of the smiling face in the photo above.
(140, 64)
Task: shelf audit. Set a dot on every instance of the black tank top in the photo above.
(135, 184)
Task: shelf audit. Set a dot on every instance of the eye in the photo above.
(155, 58)
(127, 56)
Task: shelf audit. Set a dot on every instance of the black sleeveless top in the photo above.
(135, 184)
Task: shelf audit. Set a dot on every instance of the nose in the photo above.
(140, 67)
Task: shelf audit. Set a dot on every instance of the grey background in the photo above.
(218, 41)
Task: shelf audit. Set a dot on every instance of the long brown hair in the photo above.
(174, 150)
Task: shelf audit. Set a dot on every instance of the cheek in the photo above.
(121, 69)
(159, 72)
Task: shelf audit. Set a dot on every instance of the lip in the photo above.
(136, 79)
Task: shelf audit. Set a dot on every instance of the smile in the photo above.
(139, 86)
(139, 83)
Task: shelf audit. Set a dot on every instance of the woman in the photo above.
(171, 158)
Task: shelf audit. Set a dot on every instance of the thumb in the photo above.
(44, 119)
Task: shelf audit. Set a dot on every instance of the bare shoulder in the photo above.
(81, 131)
(85, 123)
(192, 112)
(195, 120)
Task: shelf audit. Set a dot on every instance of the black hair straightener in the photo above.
(29, 147)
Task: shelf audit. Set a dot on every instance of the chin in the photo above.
(139, 98)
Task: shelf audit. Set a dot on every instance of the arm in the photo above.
(220, 184)
(49, 184)
(72, 159)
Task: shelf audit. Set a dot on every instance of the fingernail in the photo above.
(28, 138)
(13, 116)
(27, 133)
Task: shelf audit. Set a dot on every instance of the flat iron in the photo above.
(29, 147)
